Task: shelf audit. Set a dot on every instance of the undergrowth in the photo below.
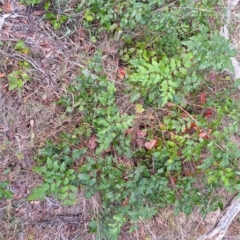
(170, 148)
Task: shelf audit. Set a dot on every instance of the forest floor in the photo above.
(29, 117)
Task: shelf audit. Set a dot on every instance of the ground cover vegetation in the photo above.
(156, 134)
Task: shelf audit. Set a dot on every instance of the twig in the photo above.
(28, 59)
(232, 4)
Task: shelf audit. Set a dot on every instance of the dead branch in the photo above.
(232, 4)
(224, 221)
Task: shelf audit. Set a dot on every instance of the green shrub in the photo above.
(171, 53)
(59, 177)
(94, 96)
(173, 78)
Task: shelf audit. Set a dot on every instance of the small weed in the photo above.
(59, 178)
(31, 2)
(55, 19)
(17, 79)
(21, 47)
(4, 192)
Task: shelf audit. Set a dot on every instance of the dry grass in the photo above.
(27, 122)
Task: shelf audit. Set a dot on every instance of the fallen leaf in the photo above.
(162, 126)
(173, 179)
(121, 73)
(37, 13)
(31, 122)
(185, 114)
(172, 136)
(35, 202)
(139, 108)
(208, 113)
(30, 236)
(2, 75)
(212, 77)
(7, 7)
(169, 104)
(193, 125)
(92, 143)
(151, 117)
(192, 128)
(125, 202)
(151, 144)
(44, 96)
(202, 97)
(141, 134)
(129, 131)
(203, 135)
(188, 173)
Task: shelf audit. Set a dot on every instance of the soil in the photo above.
(31, 116)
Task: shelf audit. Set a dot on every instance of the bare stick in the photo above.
(224, 221)
(232, 4)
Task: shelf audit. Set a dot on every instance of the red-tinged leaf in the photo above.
(188, 173)
(208, 113)
(203, 135)
(185, 114)
(212, 77)
(193, 125)
(173, 179)
(192, 128)
(141, 134)
(202, 97)
(151, 144)
(125, 202)
(121, 73)
(92, 143)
